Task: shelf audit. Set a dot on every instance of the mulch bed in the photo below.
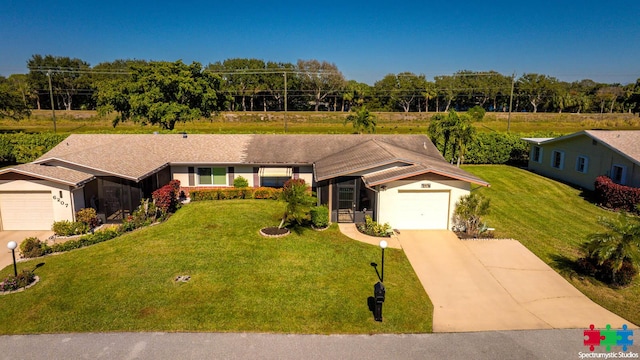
(274, 232)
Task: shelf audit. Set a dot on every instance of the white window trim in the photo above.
(586, 164)
(197, 175)
(623, 177)
(533, 151)
(553, 157)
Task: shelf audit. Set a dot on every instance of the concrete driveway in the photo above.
(481, 285)
(17, 236)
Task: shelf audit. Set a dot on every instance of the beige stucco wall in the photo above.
(600, 161)
(63, 206)
(182, 173)
(455, 188)
(306, 173)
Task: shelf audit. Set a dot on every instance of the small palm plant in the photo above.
(469, 212)
(362, 119)
(617, 248)
(297, 195)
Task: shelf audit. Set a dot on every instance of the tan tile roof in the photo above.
(136, 156)
(626, 142)
(52, 173)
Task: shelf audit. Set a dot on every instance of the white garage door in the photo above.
(26, 210)
(418, 209)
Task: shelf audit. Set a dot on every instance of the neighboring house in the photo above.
(581, 157)
(399, 179)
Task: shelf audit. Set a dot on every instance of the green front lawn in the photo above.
(307, 282)
(552, 220)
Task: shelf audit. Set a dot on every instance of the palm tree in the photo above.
(362, 119)
(618, 245)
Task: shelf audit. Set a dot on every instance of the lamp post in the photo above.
(379, 290)
(13, 245)
(383, 245)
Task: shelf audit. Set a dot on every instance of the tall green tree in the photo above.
(451, 133)
(633, 97)
(161, 93)
(401, 90)
(12, 101)
(69, 78)
(537, 88)
(320, 79)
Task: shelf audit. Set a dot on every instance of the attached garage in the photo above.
(26, 210)
(418, 209)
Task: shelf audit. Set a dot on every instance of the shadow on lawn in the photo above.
(567, 267)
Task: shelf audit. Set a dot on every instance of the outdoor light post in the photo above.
(383, 245)
(13, 245)
(379, 290)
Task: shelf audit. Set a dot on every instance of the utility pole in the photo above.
(513, 82)
(53, 107)
(285, 101)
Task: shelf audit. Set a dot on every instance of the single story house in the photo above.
(581, 157)
(399, 179)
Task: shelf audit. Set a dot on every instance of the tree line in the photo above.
(244, 84)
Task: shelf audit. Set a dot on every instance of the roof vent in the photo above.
(424, 145)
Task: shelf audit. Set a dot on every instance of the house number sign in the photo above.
(60, 201)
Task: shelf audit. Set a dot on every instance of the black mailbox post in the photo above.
(378, 295)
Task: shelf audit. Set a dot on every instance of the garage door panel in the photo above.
(415, 209)
(26, 210)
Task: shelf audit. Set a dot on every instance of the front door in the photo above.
(346, 201)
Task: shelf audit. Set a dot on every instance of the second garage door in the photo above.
(418, 209)
(26, 210)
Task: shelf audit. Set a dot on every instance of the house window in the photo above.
(212, 176)
(274, 176)
(557, 159)
(582, 164)
(536, 154)
(618, 174)
(274, 181)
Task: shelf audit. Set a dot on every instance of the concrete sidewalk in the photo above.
(496, 285)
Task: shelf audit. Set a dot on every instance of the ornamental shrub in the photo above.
(469, 212)
(240, 182)
(89, 217)
(373, 228)
(69, 228)
(267, 193)
(86, 240)
(32, 247)
(320, 216)
(13, 283)
(615, 196)
(166, 197)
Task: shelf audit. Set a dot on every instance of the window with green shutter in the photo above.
(212, 176)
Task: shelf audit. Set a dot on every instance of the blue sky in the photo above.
(571, 40)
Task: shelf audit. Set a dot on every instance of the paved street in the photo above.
(529, 344)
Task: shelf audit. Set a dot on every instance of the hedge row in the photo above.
(615, 196)
(24, 148)
(497, 148)
(33, 247)
(234, 193)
